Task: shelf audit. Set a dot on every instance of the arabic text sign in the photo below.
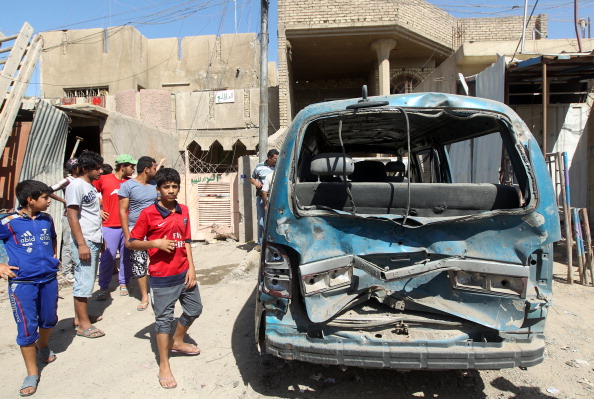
(225, 96)
(207, 179)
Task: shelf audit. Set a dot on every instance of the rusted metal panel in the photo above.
(12, 162)
(44, 156)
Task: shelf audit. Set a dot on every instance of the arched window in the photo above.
(404, 83)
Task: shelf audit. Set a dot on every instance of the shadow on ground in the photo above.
(270, 376)
(505, 385)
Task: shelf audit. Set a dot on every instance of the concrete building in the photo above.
(204, 88)
(328, 49)
(194, 100)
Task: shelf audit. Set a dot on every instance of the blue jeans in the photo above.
(260, 216)
(85, 272)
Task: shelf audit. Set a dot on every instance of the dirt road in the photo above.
(123, 363)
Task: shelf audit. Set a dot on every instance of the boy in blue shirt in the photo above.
(30, 240)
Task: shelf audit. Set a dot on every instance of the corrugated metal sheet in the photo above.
(479, 160)
(44, 156)
(567, 130)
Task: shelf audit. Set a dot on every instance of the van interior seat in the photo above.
(369, 171)
(427, 199)
(396, 171)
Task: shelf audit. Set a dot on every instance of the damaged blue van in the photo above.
(409, 231)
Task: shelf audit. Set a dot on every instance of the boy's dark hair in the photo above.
(272, 153)
(107, 169)
(165, 175)
(144, 162)
(31, 188)
(89, 160)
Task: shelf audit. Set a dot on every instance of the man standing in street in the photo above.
(108, 186)
(260, 172)
(135, 195)
(84, 218)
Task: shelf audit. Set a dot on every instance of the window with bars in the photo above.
(86, 92)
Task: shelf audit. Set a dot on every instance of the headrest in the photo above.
(395, 167)
(369, 171)
(331, 164)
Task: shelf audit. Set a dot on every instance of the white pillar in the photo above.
(382, 48)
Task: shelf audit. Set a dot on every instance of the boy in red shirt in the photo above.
(166, 226)
(108, 186)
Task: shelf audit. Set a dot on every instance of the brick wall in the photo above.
(155, 107)
(126, 103)
(507, 28)
(435, 23)
(307, 93)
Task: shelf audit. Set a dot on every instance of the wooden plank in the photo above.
(566, 222)
(13, 101)
(588, 242)
(14, 59)
(577, 227)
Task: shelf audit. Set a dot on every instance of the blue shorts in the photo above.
(85, 272)
(33, 305)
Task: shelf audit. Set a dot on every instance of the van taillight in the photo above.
(276, 271)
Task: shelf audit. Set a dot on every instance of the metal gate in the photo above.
(213, 205)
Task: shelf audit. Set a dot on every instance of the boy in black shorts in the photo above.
(166, 226)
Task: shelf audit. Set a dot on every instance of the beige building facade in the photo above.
(121, 58)
(205, 89)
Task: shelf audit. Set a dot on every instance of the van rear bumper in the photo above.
(407, 355)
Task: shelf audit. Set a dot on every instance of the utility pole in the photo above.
(576, 25)
(263, 137)
(524, 26)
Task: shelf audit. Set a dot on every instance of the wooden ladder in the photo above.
(16, 71)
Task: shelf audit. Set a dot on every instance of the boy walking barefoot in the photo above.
(30, 240)
(166, 226)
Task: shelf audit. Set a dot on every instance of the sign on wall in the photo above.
(225, 96)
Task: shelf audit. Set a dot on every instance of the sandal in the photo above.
(142, 306)
(102, 295)
(92, 319)
(47, 355)
(31, 381)
(124, 290)
(91, 332)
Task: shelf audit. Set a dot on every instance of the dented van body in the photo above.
(387, 245)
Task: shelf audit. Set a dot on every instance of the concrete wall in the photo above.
(76, 58)
(125, 135)
(79, 59)
(206, 62)
(248, 225)
(199, 118)
(472, 58)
